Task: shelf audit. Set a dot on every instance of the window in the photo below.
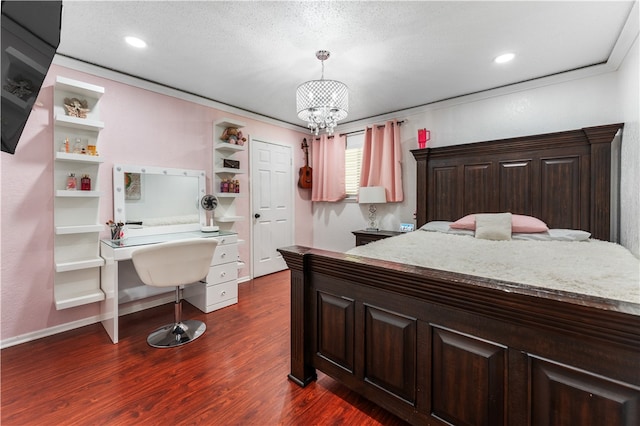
(353, 163)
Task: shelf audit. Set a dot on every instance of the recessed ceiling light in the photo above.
(135, 42)
(504, 58)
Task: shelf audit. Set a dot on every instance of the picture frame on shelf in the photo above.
(407, 227)
(230, 164)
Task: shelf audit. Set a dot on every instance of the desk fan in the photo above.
(209, 202)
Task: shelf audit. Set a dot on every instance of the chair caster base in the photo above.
(176, 334)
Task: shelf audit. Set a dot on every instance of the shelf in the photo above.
(228, 219)
(229, 170)
(77, 193)
(229, 194)
(78, 229)
(79, 123)
(229, 147)
(79, 264)
(66, 301)
(29, 63)
(80, 158)
(227, 122)
(79, 87)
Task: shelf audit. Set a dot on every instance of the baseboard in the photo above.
(46, 332)
(244, 279)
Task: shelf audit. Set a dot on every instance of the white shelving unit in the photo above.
(225, 214)
(76, 229)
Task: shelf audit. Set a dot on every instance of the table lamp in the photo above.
(372, 195)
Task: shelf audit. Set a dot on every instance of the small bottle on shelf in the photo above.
(232, 185)
(237, 186)
(72, 182)
(77, 147)
(85, 183)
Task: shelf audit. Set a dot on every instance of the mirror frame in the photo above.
(119, 210)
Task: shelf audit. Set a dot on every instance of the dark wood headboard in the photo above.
(563, 178)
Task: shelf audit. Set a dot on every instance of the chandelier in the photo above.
(322, 103)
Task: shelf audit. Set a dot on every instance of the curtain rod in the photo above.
(362, 130)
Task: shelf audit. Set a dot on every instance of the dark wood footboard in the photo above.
(435, 347)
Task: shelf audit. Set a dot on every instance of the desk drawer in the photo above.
(221, 292)
(225, 254)
(209, 298)
(226, 239)
(222, 273)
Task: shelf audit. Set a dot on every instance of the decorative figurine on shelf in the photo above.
(233, 135)
(76, 107)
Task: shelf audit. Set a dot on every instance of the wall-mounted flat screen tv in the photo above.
(30, 37)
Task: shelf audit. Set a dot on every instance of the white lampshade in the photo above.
(372, 195)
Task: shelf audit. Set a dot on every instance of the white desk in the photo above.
(116, 251)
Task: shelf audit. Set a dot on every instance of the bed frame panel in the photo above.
(436, 347)
(563, 178)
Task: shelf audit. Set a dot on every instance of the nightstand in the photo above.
(364, 237)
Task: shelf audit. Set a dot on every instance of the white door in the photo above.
(272, 202)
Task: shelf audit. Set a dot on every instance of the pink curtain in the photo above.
(382, 160)
(328, 168)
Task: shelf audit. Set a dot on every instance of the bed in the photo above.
(443, 347)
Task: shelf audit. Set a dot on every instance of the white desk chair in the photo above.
(170, 264)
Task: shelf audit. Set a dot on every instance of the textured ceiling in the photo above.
(392, 55)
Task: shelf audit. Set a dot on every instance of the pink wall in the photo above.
(141, 127)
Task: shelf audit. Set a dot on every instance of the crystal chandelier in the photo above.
(322, 103)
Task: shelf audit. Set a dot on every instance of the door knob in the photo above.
(257, 215)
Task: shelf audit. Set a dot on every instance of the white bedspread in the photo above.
(592, 267)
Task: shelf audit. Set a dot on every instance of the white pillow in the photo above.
(493, 226)
(554, 235)
(443, 226)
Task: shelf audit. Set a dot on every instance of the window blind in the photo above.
(353, 163)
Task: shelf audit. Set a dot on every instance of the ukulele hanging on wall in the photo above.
(304, 180)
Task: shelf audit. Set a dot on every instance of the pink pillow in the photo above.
(519, 224)
(527, 224)
(467, 222)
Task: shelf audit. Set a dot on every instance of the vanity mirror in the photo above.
(158, 200)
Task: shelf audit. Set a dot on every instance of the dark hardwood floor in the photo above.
(236, 374)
